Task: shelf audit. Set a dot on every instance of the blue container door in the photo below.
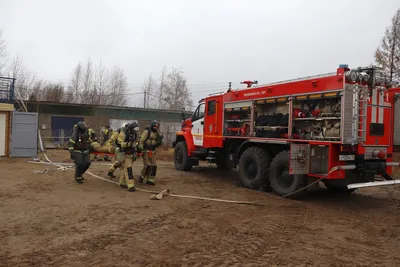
(61, 128)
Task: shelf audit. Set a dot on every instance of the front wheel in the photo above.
(282, 182)
(181, 159)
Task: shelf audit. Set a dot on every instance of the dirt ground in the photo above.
(49, 220)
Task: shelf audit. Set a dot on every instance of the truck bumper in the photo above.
(377, 183)
(373, 184)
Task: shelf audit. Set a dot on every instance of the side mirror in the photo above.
(202, 122)
(183, 114)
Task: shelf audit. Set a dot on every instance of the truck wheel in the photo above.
(253, 167)
(181, 159)
(281, 181)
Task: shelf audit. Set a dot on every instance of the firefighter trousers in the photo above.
(149, 167)
(126, 178)
(82, 163)
(116, 164)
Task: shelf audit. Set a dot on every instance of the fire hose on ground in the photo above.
(155, 195)
(166, 192)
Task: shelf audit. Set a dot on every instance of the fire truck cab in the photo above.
(337, 128)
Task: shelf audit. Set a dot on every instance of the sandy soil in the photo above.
(49, 220)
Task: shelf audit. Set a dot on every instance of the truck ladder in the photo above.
(360, 101)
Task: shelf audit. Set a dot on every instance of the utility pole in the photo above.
(144, 99)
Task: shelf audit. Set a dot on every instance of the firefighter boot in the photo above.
(78, 173)
(151, 179)
(112, 169)
(131, 181)
(145, 173)
(122, 182)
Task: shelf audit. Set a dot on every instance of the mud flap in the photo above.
(231, 161)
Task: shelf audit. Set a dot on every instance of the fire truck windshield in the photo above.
(199, 113)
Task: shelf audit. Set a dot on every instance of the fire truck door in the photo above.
(198, 125)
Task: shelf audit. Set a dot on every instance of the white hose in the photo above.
(139, 189)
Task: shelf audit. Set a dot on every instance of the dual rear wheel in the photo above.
(256, 169)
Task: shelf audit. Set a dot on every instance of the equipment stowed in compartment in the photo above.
(276, 119)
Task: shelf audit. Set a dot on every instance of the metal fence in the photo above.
(61, 138)
(6, 90)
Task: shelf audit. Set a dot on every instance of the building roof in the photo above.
(108, 106)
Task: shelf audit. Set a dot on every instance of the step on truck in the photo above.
(338, 128)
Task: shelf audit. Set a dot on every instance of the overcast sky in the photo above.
(212, 41)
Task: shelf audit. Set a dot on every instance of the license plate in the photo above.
(347, 157)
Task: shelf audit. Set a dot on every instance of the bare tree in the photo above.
(74, 90)
(54, 93)
(3, 53)
(148, 88)
(387, 56)
(87, 83)
(118, 88)
(177, 95)
(36, 93)
(160, 88)
(24, 79)
(101, 84)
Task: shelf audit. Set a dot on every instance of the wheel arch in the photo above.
(272, 149)
(185, 137)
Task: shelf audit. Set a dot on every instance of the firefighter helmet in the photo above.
(154, 125)
(133, 127)
(81, 126)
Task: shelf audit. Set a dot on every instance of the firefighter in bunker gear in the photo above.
(92, 139)
(78, 146)
(110, 142)
(127, 145)
(107, 133)
(150, 140)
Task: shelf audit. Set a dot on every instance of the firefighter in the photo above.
(127, 145)
(150, 140)
(107, 133)
(92, 134)
(93, 138)
(112, 141)
(78, 147)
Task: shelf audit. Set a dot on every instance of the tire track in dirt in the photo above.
(379, 251)
(98, 242)
(245, 248)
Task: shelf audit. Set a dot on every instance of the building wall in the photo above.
(98, 117)
(5, 128)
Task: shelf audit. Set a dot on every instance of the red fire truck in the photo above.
(338, 128)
